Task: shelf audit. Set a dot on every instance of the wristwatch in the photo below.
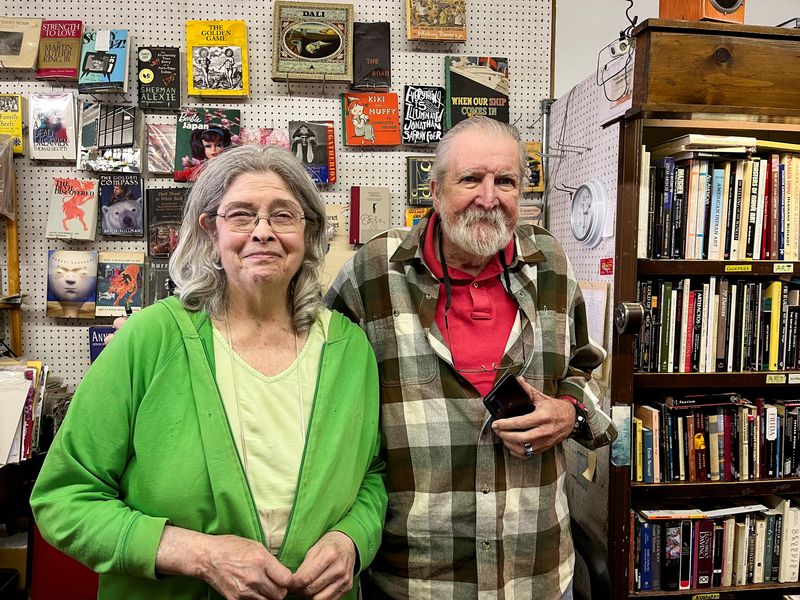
(581, 417)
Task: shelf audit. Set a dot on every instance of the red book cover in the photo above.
(370, 119)
(704, 555)
(692, 467)
(59, 50)
(355, 211)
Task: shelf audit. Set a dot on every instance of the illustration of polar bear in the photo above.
(123, 217)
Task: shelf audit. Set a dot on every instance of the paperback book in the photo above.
(19, 42)
(72, 214)
(476, 85)
(71, 283)
(534, 180)
(370, 119)
(110, 138)
(60, 50)
(104, 62)
(201, 134)
(372, 62)
(436, 20)
(159, 74)
(265, 136)
(121, 213)
(419, 188)
(414, 213)
(97, 339)
(159, 285)
(216, 58)
(52, 126)
(314, 144)
(370, 210)
(164, 215)
(161, 148)
(119, 283)
(11, 111)
(423, 114)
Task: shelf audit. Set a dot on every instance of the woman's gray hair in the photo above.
(195, 266)
(493, 128)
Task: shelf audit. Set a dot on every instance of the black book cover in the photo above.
(782, 328)
(718, 551)
(670, 571)
(678, 213)
(776, 549)
(752, 215)
(657, 554)
(748, 343)
(697, 328)
(476, 85)
(159, 285)
(687, 554)
(159, 75)
(658, 219)
(164, 215)
(738, 325)
(372, 57)
(655, 330)
(651, 209)
(423, 114)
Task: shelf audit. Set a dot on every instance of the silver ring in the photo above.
(528, 447)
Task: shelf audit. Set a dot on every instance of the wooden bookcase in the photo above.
(693, 77)
(13, 312)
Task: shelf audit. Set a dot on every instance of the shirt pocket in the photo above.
(553, 332)
(401, 346)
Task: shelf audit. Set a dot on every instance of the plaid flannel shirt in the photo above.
(465, 518)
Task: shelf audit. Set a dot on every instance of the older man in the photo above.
(477, 509)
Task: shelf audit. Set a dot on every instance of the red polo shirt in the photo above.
(481, 313)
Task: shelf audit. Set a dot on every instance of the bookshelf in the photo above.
(696, 77)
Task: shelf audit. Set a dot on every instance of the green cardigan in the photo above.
(146, 442)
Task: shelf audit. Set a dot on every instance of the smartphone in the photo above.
(508, 399)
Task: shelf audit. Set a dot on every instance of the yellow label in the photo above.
(712, 596)
(783, 268)
(738, 268)
(776, 378)
(794, 377)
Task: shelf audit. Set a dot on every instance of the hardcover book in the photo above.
(202, 133)
(164, 215)
(436, 20)
(423, 114)
(159, 74)
(534, 179)
(476, 85)
(314, 144)
(11, 110)
(372, 62)
(216, 58)
(121, 213)
(19, 42)
(52, 126)
(110, 137)
(104, 62)
(73, 209)
(159, 285)
(119, 283)
(370, 118)
(71, 283)
(59, 50)
(97, 339)
(370, 210)
(414, 213)
(265, 136)
(161, 148)
(419, 188)
(312, 41)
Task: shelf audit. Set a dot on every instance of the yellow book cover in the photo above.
(773, 301)
(638, 449)
(414, 214)
(11, 112)
(216, 58)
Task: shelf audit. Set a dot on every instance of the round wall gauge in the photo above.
(588, 214)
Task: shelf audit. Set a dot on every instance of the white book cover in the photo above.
(711, 316)
(671, 342)
(72, 214)
(692, 199)
(792, 546)
(792, 212)
(761, 534)
(644, 202)
(700, 216)
(736, 213)
(762, 186)
(716, 233)
(51, 127)
(728, 535)
(740, 555)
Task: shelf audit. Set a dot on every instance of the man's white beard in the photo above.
(486, 239)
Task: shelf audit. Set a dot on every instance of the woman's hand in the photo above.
(118, 322)
(327, 570)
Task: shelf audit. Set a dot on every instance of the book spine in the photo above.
(752, 215)
(679, 217)
(670, 570)
(704, 532)
(731, 211)
(697, 340)
(718, 552)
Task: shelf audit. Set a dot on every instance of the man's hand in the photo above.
(549, 424)
(327, 570)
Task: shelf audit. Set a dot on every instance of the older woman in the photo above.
(228, 437)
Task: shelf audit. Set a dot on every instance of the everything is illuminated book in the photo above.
(19, 42)
(159, 75)
(72, 214)
(11, 119)
(476, 85)
(370, 119)
(216, 58)
(71, 283)
(120, 279)
(314, 144)
(59, 50)
(201, 133)
(121, 212)
(423, 114)
(164, 215)
(104, 62)
(52, 126)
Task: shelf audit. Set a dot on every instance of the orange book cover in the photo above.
(370, 119)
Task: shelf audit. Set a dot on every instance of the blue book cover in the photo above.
(647, 555)
(97, 339)
(104, 61)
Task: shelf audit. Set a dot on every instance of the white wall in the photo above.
(583, 27)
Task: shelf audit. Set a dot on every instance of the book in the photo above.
(159, 285)
(414, 213)
(370, 118)
(59, 54)
(440, 21)
(370, 210)
(216, 58)
(201, 133)
(704, 551)
(71, 283)
(52, 127)
(121, 210)
(670, 571)
(119, 282)
(534, 177)
(72, 214)
(97, 339)
(423, 114)
(264, 136)
(11, 120)
(702, 141)
(419, 188)
(372, 58)
(19, 42)
(476, 85)
(164, 216)
(159, 75)
(110, 137)
(104, 62)
(161, 148)
(314, 144)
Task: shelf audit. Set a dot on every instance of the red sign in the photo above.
(606, 266)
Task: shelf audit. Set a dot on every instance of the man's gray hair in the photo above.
(195, 266)
(492, 128)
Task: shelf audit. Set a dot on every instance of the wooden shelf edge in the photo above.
(735, 268)
(8, 306)
(726, 380)
(753, 590)
(644, 493)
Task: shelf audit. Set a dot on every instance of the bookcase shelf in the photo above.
(717, 381)
(643, 494)
(722, 268)
(753, 591)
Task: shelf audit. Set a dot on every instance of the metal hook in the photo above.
(517, 120)
(288, 88)
(570, 148)
(565, 188)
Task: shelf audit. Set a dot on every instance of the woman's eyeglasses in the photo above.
(243, 220)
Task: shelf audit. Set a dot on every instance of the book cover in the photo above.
(419, 188)
(370, 118)
(159, 75)
(534, 178)
(264, 136)
(423, 114)
(110, 138)
(414, 213)
(436, 20)
(52, 127)
(216, 58)
(19, 42)
(704, 553)
(201, 134)
(121, 213)
(59, 50)
(372, 58)
(159, 285)
(161, 148)
(71, 283)
(370, 210)
(119, 282)
(670, 570)
(72, 214)
(97, 339)
(164, 215)
(11, 118)
(476, 85)
(104, 62)
(314, 144)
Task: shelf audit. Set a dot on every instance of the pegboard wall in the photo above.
(517, 29)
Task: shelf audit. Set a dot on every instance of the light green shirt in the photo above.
(271, 414)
